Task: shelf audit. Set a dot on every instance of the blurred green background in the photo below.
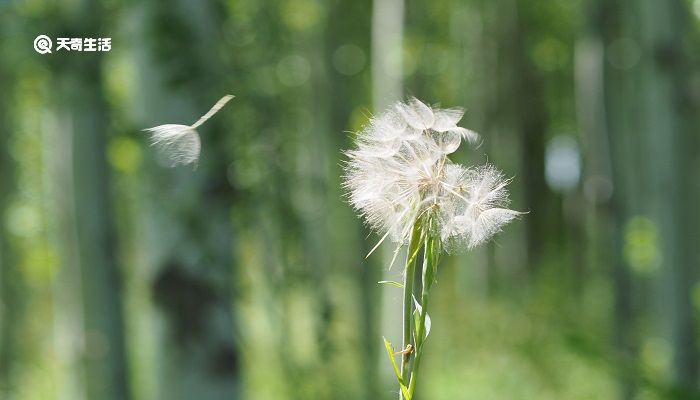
(246, 278)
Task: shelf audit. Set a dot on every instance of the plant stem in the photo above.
(429, 264)
(413, 247)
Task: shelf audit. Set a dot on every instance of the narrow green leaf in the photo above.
(413, 252)
(390, 353)
(394, 283)
(417, 317)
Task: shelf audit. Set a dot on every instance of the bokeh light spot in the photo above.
(41, 264)
(562, 163)
(349, 59)
(293, 70)
(23, 220)
(301, 14)
(641, 250)
(124, 154)
(656, 355)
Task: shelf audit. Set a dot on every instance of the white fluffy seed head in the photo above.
(400, 171)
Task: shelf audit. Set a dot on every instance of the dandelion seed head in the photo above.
(400, 171)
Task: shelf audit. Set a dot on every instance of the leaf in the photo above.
(417, 316)
(390, 353)
(393, 283)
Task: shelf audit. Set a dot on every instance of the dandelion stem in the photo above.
(430, 260)
(413, 247)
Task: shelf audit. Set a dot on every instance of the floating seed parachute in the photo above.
(180, 144)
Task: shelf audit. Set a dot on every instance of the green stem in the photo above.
(413, 247)
(429, 264)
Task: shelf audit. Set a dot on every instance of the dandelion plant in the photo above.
(400, 180)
